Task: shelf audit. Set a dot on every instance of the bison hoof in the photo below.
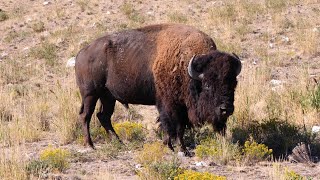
(188, 153)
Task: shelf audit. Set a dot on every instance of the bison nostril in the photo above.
(224, 112)
(223, 109)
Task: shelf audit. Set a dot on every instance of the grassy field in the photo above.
(277, 98)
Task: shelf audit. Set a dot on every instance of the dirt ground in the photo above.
(108, 16)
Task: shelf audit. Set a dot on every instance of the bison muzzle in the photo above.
(175, 67)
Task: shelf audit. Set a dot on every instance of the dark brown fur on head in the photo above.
(213, 94)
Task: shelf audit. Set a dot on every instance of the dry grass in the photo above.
(38, 94)
(278, 172)
(12, 164)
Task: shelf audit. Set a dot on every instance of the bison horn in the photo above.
(192, 73)
(239, 63)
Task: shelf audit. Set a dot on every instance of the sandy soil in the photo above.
(108, 17)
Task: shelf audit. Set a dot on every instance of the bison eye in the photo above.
(206, 86)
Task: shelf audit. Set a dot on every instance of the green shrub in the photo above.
(55, 158)
(131, 13)
(194, 175)
(38, 26)
(3, 16)
(99, 133)
(312, 98)
(276, 5)
(112, 149)
(47, 51)
(129, 131)
(256, 152)
(162, 170)
(83, 4)
(36, 168)
(218, 149)
(177, 17)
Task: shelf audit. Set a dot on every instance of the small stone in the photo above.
(315, 129)
(255, 62)
(138, 166)
(4, 55)
(201, 163)
(84, 150)
(285, 39)
(71, 62)
(180, 154)
(275, 82)
(46, 3)
(271, 45)
(316, 29)
(108, 12)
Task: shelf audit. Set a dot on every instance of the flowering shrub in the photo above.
(129, 131)
(55, 158)
(194, 175)
(256, 152)
(153, 152)
(289, 174)
(218, 149)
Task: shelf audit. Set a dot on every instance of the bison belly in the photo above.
(132, 90)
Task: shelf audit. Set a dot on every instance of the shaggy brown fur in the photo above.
(149, 66)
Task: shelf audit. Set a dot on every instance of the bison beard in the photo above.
(175, 67)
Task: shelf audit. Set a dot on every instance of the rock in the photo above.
(3, 56)
(46, 3)
(271, 45)
(180, 154)
(285, 39)
(83, 151)
(201, 163)
(71, 62)
(138, 166)
(255, 62)
(276, 85)
(108, 12)
(275, 82)
(316, 129)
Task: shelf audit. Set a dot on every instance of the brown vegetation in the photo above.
(278, 42)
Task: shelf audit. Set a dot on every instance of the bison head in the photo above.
(214, 79)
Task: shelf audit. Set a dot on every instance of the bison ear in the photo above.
(239, 65)
(196, 66)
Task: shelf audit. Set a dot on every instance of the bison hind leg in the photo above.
(105, 113)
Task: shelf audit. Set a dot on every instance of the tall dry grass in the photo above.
(39, 96)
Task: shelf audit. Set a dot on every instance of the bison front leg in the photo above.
(173, 124)
(181, 129)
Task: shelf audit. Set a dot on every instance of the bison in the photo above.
(175, 67)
